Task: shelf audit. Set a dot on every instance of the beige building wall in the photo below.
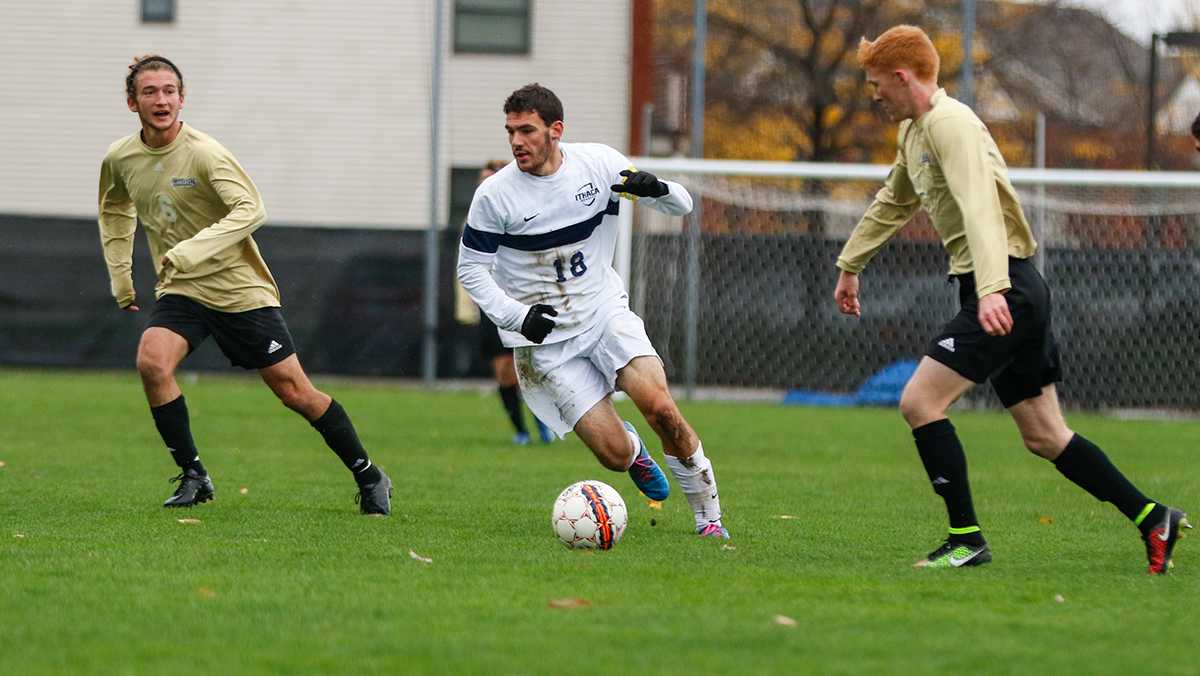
(325, 103)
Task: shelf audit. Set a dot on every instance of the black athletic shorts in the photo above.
(253, 339)
(1018, 365)
(490, 346)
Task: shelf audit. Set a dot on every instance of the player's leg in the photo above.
(1026, 388)
(289, 382)
(924, 402)
(566, 390)
(617, 445)
(176, 326)
(259, 339)
(1046, 434)
(510, 394)
(645, 381)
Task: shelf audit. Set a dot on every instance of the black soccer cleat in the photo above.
(956, 555)
(375, 498)
(193, 489)
(1160, 541)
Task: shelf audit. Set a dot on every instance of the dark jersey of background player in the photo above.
(198, 208)
(948, 163)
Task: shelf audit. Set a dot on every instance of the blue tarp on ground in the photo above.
(881, 389)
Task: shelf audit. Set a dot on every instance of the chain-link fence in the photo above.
(1118, 249)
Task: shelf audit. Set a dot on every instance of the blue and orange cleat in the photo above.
(646, 474)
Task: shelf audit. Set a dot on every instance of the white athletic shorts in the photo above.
(562, 381)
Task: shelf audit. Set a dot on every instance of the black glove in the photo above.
(641, 184)
(537, 324)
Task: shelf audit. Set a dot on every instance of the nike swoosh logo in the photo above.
(530, 218)
(1166, 532)
(956, 562)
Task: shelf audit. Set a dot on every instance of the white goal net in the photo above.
(742, 297)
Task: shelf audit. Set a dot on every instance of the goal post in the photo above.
(1121, 250)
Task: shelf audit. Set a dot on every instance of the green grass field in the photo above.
(282, 575)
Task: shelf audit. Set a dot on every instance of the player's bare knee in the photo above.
(664, 417)
(614, 454)
(153, 368)
(1042, 445)
(914, 412)
(290, 394)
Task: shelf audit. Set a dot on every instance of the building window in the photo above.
(158, 11)
(491, 26)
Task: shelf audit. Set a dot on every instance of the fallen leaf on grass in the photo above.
(728, 547)
(570, 602)
(18, 535)
(243, 490)
(1045, 520)
(1059, 598)
(654, 504)
(3, 464)
(784, 621)
(188, 520)
(206, 593)
(417, 557)
(786, 516)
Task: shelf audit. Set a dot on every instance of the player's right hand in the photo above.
(538, 323)
(846, 294)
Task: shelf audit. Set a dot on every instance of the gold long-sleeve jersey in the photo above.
(198, 208)
(948, 163)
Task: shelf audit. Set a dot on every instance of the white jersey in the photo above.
(551, 239)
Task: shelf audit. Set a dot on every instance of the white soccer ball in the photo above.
(589, 515)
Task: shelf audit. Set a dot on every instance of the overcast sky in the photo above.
(1139, 18)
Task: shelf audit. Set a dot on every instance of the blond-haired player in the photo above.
(199, 208)
(948, 163)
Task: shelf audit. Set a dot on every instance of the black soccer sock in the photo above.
(173, 425)
(946, 465)
(337, 430)
(511, 396)
(1085, 464)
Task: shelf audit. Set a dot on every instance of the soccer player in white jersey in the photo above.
(536, 257)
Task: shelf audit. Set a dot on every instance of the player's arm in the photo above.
(668, 197)
(476, 255)
(246, 214)
(118, 222)
(893, 206)
(962, 149)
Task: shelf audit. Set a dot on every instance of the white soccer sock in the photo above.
(635, 443)
(699, 484)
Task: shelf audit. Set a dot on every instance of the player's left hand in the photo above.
(994, 316)
(640, 184)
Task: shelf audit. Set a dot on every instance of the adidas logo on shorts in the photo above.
(273, 347)
(946, 344)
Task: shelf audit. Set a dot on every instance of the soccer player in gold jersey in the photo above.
(948, 163)
(199, 208)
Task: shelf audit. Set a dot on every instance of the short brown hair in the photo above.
(148, 62)
(534, 98)
(901, 47)
(495, 165)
